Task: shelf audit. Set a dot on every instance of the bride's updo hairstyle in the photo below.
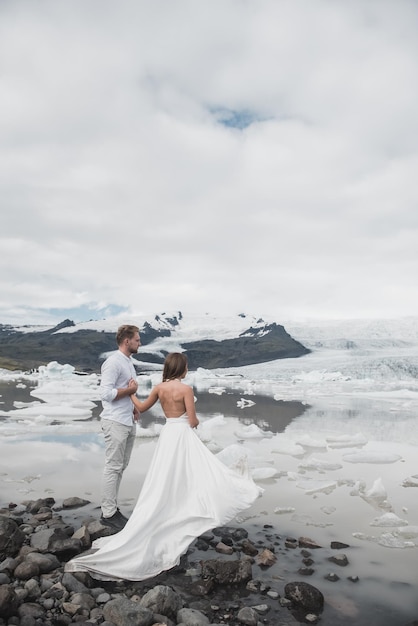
(175, 366)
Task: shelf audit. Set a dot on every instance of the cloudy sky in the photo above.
(221, 156)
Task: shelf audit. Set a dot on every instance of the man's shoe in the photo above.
(114, 521)
(121, 516)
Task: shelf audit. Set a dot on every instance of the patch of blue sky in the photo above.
(86, 312)
(239, 119)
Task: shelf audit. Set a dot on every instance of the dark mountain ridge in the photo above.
(26, 349)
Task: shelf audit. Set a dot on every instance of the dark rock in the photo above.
(192, 617)
(45, 562)
(339, 559)
(332, 577)
(248, 616)
(162, 599)
(338, 545)
(306, 542)
(305, 571)
(266, 558)
(36, 505)
(26, 570)
(124, 612)
(305, 596)
(11, 538)
(9, 602)
(224, 549)
(248, 547)
(31, 610)
(226, 572)
(201, 587)
(56, 541)
(74, 503)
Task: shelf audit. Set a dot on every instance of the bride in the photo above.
(187, 491)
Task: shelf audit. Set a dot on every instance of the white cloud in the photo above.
(122, 185)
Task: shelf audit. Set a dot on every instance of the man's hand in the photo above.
(132, 386)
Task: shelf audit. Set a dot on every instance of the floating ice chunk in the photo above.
(408, 532)
(377, 490)
(252, 432)
(328, 510)
(317, 464)
(346, 441)
(359, 488)
(263, 473)
(21, 386)
(317, 486)
(205, 429)
(284, 446)
(389, 540)
(52, 411)
(411, 481)
(293, 476)
(283, 510)
(243, 403)
(309, 442)
(81, 386)
(371, 457)
(22, 405)
(319, 376)
(307, 520)
(55, 370)
(234, 454)
(388, 519)
(153, 430)
(217, 390)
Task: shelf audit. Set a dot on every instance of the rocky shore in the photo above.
(221, 579)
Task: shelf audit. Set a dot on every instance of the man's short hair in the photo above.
(127, 331)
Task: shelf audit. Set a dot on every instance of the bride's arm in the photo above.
(190, 408)
(146, 404)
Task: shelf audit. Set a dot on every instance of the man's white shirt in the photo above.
(116, 371)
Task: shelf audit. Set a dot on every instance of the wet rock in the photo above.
(222, 548)
(338, 545)
(339, 559)
(226, 572)
(56, 541)
(45, 562)
(248, 548)
(36, 505)
(8, 601)
(306, 542)
(162, 599)
(83, 535)
(123, 612)
(11, 538)
(306, 571)
(305, 596)
(191, 617)
(201, 587)
(31, 610)
(248, 616)
(332, 577)
(26, 570)
(74, 503)
(266, 558)
(355, 579)
(291, 542)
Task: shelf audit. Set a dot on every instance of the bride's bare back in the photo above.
(175, 398)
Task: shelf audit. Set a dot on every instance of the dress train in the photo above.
(187, 491)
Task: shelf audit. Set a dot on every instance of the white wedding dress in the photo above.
(187, 491)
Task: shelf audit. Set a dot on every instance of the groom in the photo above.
(118, 383)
